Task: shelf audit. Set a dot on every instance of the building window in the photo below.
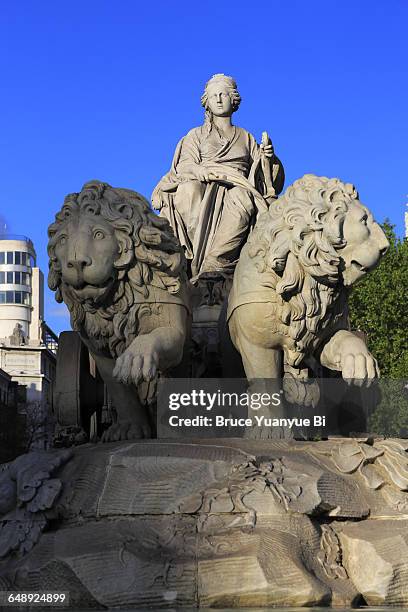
(18, 278)
(15, 297)
(19, 258)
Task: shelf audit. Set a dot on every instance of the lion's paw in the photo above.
(139, 362)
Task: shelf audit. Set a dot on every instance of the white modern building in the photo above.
(19, 278)
(27, 345)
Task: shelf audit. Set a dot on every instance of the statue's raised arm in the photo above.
(219, 180)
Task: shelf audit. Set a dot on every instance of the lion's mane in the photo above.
(149, 254)
(299, 239)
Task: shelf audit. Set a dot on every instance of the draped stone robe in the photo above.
(212, 220)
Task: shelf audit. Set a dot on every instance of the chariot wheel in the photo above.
(76, 388)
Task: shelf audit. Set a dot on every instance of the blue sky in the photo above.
(98, 89)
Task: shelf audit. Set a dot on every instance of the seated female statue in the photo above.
(219, 180)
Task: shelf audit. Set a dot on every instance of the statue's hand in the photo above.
(203, 175)
(267, 150)
(356, 363)
(139, 362)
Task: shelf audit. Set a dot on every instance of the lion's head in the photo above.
(106, 249)
(323, 224)
(318, 239)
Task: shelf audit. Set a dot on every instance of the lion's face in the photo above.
(107, 250)
(366, 243)
(86, 248)
(317, 229)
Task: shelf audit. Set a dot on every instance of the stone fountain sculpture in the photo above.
(217, 522)
(289, 295)
(121, 272)
(219, 180)
(287, 309)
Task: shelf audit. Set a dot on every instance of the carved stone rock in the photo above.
(220, 523)
(375, 556)
(27, 495)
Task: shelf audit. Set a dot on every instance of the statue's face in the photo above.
(219, 100)
(366, 243)
(86, 248)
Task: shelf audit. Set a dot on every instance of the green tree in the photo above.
(379, 308)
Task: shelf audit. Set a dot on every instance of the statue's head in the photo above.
(103, 235)
(319, 228)
(109, 256)
(221, 97)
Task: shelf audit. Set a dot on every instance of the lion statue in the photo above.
(287, 309)
(122, 274)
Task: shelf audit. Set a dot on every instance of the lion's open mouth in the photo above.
(355, 271)
(364, 269)
(358, 266)
(91, 293)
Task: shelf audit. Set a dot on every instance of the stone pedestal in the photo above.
(219, 523)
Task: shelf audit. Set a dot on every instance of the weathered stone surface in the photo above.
(218, 479)
(128, 562)
(221, 523)
(375, 556)
(27, 496)
(249, 560)
(380, 469)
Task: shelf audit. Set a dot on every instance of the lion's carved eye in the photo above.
(62, 240)
(364, 219)
(98, 235)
